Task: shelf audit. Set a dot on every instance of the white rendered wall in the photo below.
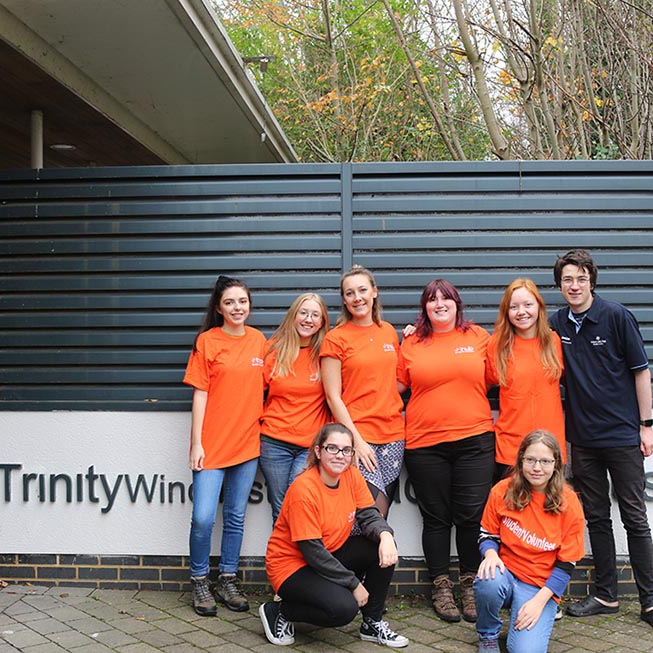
(99, 452)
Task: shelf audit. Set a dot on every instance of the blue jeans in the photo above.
(507, 591)
(280, 466)
(207, 484)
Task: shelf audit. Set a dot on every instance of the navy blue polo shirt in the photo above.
(601, 407)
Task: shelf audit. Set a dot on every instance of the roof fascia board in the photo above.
(202, 25)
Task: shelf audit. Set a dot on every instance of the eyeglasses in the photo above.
(570, 281)
(542, 462)
(314, 315)
(334, 450)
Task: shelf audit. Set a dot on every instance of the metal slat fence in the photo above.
(105, 272)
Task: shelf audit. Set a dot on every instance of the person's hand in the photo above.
(196, 458)
(489, 565)
(530, 612)
(365, 455)
(646, 440)
(361, 595)
(388, 555)
(408, 330)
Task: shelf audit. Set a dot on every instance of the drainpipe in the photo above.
(37, 138)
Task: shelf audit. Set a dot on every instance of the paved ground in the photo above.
(49, 620)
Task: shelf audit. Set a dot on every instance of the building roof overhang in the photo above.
(130, 82)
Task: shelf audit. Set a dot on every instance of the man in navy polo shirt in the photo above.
(608, 422)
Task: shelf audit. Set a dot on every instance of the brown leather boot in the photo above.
(443, 601)
(467, 597)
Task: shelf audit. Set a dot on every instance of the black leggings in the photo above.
(310, 598)
(452, 481)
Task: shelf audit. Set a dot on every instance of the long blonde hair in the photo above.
(285, 340)
(345, 315)
(504, 333)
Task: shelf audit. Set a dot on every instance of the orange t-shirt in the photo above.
(230, 369)
(533, 540)
(313, 510)
(446, 375)
(529, 400)
(296, 408)
(368, 356)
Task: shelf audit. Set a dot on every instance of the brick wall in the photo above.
(171, 573)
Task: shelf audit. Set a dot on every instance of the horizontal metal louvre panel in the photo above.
(482, 225)
(105, 273)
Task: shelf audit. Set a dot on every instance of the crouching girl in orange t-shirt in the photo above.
(314, 563)
(531, 538)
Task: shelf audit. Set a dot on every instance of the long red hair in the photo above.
(504, 333)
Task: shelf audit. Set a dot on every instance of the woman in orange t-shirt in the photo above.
(532, 535)
(359, 372)
(225, 369)
(525, 358)
(295, 408)
(313, 561)
(449, 439)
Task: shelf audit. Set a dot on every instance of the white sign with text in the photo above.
(114, 483)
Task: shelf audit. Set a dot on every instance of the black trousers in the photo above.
(452, 482)
(590, 467)
(310, 598)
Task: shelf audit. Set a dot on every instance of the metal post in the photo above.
(37, 138)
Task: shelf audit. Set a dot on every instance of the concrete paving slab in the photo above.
(159, 638)
(144, 622)
(70, 639)
(8, 648)
(44, 648)
(47, 626)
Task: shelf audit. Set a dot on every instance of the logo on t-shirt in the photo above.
(528, 537)
(257, 362)
(388, 346)
(351, 516)
(313, 378)
(598, 341)
(464, 350)
(566, 340)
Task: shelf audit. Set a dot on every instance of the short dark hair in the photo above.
(582, 259)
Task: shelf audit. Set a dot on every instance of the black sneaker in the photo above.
(227, 589)
(381, 633)
(203, 601)
(277, 628)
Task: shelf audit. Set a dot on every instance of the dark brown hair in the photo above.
(321, 437)
(211, 317)
(581, 259)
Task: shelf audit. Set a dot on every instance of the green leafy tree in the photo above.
(345, 87)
